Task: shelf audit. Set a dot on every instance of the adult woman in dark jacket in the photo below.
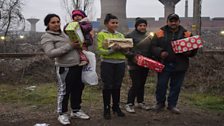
(137, 73)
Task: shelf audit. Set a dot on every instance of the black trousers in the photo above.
(112, 76)
(138, 78)
(70, 87)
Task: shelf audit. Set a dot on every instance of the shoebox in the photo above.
(74, 32)
(149, 63)
(187, 44)
(122, 42)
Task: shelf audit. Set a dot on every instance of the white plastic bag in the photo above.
(89, 75)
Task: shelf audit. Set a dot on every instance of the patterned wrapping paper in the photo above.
(74, 32)
(149, 63)
(187, 44)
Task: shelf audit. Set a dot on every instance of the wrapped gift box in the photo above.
(149, 63)
(186, 44)
(123, 42)
(74, 32)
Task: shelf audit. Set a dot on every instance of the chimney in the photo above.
(186, 8)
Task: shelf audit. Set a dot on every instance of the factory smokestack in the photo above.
(186, 8)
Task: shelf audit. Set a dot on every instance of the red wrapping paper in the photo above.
(149, 63)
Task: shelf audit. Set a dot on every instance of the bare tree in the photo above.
(11, 16)
(70, 5)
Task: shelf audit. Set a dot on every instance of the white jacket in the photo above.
(57, 45)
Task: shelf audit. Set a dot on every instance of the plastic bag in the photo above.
(89, 75)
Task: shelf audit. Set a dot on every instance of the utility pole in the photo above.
(196, 27)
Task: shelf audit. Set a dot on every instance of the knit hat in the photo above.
(78, 12)
(173, 16)
(139, 20)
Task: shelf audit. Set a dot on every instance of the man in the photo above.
(176, 65)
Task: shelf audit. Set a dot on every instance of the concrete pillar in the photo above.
(169, 6)
(117, 8)
(196, 27)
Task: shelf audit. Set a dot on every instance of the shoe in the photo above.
(116, 109)
(174, 110)
(130, 108)
(142, 106)
(79, 114)
(106, 113)
(64, 119)
(83, 63)
(158, 107)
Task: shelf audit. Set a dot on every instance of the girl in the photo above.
(112, 66)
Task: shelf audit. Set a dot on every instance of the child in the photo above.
(86, 27)
(112, 66)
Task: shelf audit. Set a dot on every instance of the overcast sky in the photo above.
(135, 8)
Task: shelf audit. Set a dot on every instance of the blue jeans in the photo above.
(175, 80)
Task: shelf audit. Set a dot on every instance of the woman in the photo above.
(57, 46)
(112, 66)
(137, 73)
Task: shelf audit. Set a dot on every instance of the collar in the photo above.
(53, 32)
(104, 30)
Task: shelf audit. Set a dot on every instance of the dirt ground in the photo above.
(17, 115)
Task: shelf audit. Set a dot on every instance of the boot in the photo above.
(116, 100)
(106, 102)
(116, 109)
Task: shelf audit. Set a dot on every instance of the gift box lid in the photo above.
(74, 32)
(149, 63)
(123, 42)
(187, 44)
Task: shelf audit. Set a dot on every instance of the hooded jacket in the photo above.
(57, 45)
(107, 54)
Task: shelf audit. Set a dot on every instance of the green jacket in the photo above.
(107, 53)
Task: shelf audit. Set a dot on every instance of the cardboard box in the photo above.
(149, 63)
(74, 32)
(123, 43)
(187, 44)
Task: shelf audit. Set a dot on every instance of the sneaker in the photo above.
(174, 110)
(130, 108)
(158, 107)
(64, 119)
(142, 106)
(80, 114)
(83, 63)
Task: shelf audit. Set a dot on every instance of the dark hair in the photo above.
(139, 20)
(108, 17)
(48, 18)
